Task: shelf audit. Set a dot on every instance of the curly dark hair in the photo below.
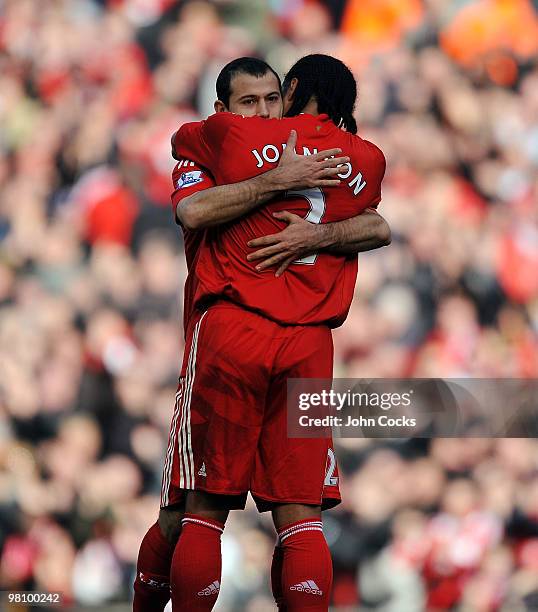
(330, 82)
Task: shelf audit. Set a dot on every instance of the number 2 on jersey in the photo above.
(330, 479)
(316, 200)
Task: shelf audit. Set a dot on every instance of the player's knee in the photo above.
(170, 523)
(208, 505)
(284, 514)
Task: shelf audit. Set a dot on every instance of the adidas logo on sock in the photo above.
(212, 589)
(201, 471)
(308, 586)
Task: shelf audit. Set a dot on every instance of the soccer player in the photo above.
(254, 330)
(246, 86)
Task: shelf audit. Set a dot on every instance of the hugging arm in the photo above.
(220, 204)
(224, 203)
(364, 232)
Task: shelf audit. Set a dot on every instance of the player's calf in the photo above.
(305, 562)
(197, 560)
(196, 565)
(152, 583)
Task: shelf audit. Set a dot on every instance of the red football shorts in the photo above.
(229, 430)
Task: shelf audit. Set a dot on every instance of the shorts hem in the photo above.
(238, 499)
(173, 504)
(265, 503)
(226, 493)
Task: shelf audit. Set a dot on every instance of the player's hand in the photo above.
(307, 171)
(300, 238)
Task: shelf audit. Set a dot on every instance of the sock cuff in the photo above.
(202, 521)
(287, 531)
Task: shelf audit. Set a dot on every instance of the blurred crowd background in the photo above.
(92, 271)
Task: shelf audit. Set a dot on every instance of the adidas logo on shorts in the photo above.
(308, 586)
(201, 471)
(212, 589)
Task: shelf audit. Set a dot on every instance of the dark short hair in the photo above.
(330, 82)
(242, 65)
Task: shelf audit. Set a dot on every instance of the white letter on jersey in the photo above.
(343, 174)
(306, 151)
(265, 153)
(357, 182)
(258, 158)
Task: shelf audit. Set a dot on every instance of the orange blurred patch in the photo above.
(501, 69)
(379, 24)
(489, 25)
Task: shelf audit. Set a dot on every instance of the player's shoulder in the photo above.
(227, 118)
(366, 149)
(186, 127)
(185, 131)
(221, 119)
(215, 122)
(245, 123)
(215, 126)
(223, 124)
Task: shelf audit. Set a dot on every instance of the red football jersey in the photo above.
(189, 178)
(314, 290)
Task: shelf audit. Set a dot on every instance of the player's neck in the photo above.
(311, 107)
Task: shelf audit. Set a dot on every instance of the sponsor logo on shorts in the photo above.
(212, 589)
(201, 471)
(308, 586)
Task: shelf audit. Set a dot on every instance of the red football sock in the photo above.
(307, 570)
(196, 565)
(276, 577)
(152, 583)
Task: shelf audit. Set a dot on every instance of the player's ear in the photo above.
(290, 92)
(173, 143)
(220, 107)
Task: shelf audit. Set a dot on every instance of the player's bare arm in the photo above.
(365, 232)
(224, 203)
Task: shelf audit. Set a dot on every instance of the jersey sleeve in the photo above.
(202, 141)
(378, 167)
(188, 178)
